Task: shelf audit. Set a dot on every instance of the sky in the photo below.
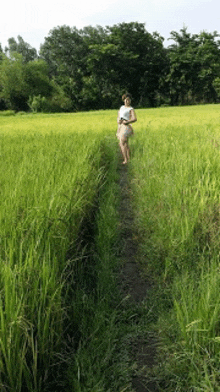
(33, 19)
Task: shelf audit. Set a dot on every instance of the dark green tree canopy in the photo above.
(194, 66)
(28, 53)
(97, 64)
(92, 67)
(20, 80)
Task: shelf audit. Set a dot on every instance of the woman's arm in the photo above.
(132, 118)
(119, 121)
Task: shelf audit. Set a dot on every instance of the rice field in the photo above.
(177, 172)
(176, 187)
(53, 170)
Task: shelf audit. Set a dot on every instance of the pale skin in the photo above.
(123, 140)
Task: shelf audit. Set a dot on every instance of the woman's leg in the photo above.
(124, 149)
(128, 151)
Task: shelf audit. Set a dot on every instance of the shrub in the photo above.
(59, 102)
(7, 113)
(38, 104)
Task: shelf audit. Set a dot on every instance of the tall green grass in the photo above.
(176, 189)
(56, 169)
(100, 363)
(51, 170)
(176, 177)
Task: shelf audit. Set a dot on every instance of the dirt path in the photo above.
(135, 287)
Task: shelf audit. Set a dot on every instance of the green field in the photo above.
(51, 171)
(58, 174)
(176, 185)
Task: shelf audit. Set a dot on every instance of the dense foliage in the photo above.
(90, 69)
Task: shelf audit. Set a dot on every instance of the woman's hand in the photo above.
(125, 122)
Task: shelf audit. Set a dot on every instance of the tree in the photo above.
(65, 52)
(194, 65)
(19, 81)
(36, 77)
(28, 53)
(102, 84)
(98, 92)
(2, 102)
(141, 61)
(96, 65)
(209, 53)
(13, 88)
(129, 58)
(91, 68)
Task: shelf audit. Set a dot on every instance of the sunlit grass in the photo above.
(176, 189)
(176, 173)
(51, 170)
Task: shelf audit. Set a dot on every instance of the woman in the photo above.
(126, 116)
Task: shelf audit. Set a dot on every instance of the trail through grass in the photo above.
(59, 172)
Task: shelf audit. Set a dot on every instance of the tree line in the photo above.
(90, 68)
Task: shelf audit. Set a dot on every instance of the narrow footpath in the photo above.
(135, 288)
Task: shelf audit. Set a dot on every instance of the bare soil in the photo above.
(134, 286)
